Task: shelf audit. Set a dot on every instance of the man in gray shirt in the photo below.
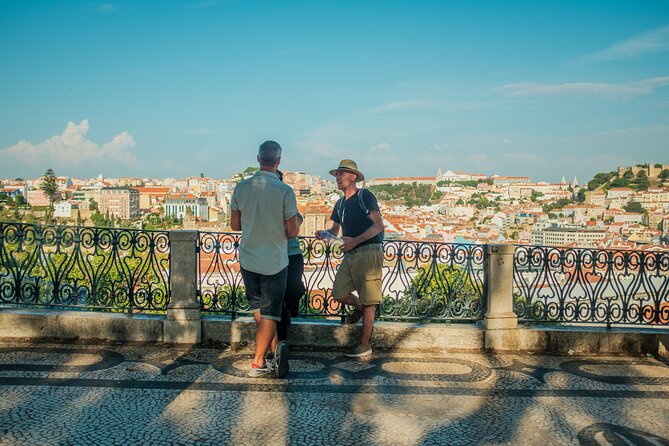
(265, 210)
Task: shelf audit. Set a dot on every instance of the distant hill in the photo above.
(638, 177)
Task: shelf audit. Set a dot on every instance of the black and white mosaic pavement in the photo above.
(57, 394)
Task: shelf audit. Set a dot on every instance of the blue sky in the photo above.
(176, 88)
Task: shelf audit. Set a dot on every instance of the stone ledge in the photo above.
(116, 327)
(579, 340)
(45, 324)
(332, 334)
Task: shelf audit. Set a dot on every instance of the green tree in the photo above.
(536, 195)
(600, 179)
(412, 194)
(79, 220)
(562, 202)
(98, 219)
(664, 174)
(443, 283)
(635, 207)
(642, 183)
(48, 184)
(628, 175)
(93, 206)
(620, 182)
(641, 174)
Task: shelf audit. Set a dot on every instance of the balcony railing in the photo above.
(421, 280)
(127, 270)
(123, 270)
(591, 286)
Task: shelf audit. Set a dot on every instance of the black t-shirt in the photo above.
(355, 220)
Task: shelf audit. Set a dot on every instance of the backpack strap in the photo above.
(339, 208)
(361, 202)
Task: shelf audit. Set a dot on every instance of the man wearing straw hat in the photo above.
(359, 217)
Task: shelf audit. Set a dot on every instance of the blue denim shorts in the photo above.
(265, 293)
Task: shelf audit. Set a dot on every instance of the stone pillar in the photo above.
(500, 321)
(183, 324)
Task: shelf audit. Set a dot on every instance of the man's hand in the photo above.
(325, 233)
(349, 243)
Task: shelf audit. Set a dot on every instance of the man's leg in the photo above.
(253, 284)
(368, 277)
(351, 300)
(256, 317)
(282, 327)
(368, 314)
(273, 289)
(265, 333)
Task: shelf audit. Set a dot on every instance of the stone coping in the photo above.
(407, 336)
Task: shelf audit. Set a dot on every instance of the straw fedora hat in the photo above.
(348, 166)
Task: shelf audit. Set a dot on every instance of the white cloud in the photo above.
(625, 90)
(382, 147)
(71, 148)
(637, 131)
(396, 106)
(649, 42)
(439, 148)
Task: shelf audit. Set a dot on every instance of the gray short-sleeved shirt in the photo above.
(265, 203)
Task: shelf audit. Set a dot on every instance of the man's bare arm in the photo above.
(292, 227)
(372, 231)
(236, 220)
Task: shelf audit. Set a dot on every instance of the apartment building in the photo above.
(177, 206)
(119, 202)
(559, 236)
(316, 218)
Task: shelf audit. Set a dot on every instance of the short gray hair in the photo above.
(269, 153)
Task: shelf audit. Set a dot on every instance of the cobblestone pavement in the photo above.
(60, 394)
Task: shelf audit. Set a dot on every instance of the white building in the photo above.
(63, 209)
(559, 236)
(176, 206)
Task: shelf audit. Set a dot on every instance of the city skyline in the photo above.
(172, 89)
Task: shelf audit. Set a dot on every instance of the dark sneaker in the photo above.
(354, 317)
(269, 359)
(358, 351)
(258, 371)
(281, 359)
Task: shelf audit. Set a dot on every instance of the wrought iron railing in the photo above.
(421, 280)
(122, 270)
(127, 270)
(576, 285)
